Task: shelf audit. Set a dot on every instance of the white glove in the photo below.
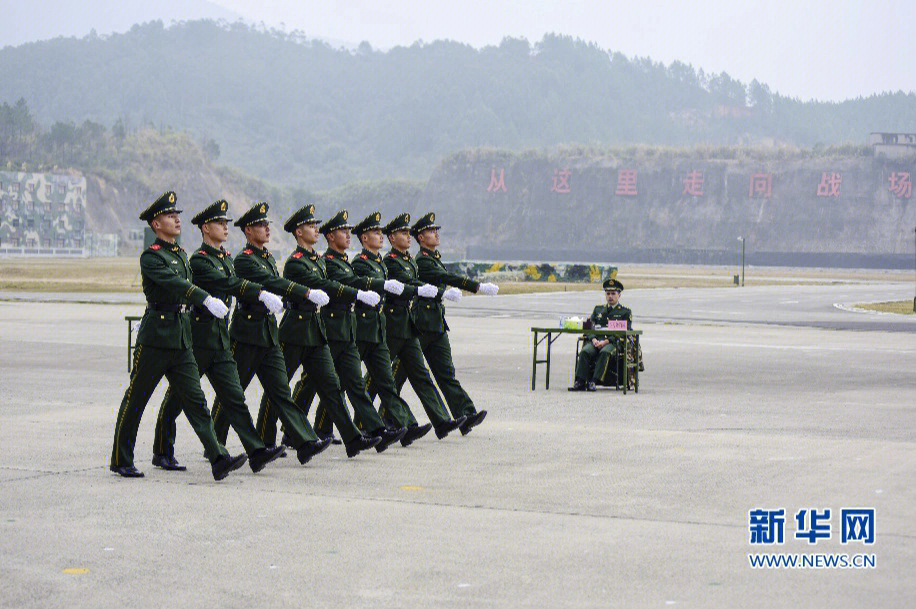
(394, 286)
(453, 294)
(370, 298)
(488, 289)
(216, 307)
(318, 297)
(273, 302)
(427, 290)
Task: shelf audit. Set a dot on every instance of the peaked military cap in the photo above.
(370, 222)
(303, 215)
(257, 213)
(425, 222)
(401, 222)
(613, 284)
(216, 211)
(166, 204)
(338, 221)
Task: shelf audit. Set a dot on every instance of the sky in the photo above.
(810, 49)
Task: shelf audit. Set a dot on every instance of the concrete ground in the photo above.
(558, 500)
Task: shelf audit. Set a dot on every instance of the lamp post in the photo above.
(914, 267)
(742, 240)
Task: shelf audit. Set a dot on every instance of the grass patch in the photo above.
(897, 306)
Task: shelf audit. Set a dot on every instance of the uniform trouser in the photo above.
(220, 368)
(408, 363)
(438, 352)
(267, 363)
(318, 368)
(593, 363)
(378, 364)
(179, 367)
(347, 364)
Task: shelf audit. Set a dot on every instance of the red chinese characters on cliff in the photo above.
(497, 183)
(561, 181)
(761, 185)
(626, 183)
(693, 184)
(830, 185)
(901, 185)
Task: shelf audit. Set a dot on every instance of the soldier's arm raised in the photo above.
(248, 268)
(154, 268)
(431, 272)
(207, 276)
(302, 274)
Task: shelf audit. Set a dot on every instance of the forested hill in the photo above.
(300, 113)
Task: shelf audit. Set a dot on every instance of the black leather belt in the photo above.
(364, 307)
(206, 314)
(253, 307)
(301, 306)
(339, 306)
(171, 308)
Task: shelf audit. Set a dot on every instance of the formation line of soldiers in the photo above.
(384, 311)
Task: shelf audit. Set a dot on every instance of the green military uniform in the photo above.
(592, 364)
(401, 334)
(213, 271)
(305, 342)
(430, 320)
(164, 348)
(256, 345)
(340, 321)
(371, 332)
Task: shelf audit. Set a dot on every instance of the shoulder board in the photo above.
(297, 255)
(364, 257)
(155, 246)
(202, 252)
(247, 251)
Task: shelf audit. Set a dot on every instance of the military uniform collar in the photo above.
(332, 254)
(371, 256)
(162, 244)
(399, 254)
(209, 249)
(257, 251)
(429, 252)
(304, 251)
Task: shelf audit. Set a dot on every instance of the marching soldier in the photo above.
(213, 271)
(164, 345)
(340, 321)
(371, 334)
(255, 342)
(400, 332)
(596, 353)
(430, 320)
(304, 338)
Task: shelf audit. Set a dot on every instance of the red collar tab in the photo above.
(204, 252)
(297, 255)
(247, 252)
(155, 246)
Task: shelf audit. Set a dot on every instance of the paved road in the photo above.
(559, 500)
(796, 305)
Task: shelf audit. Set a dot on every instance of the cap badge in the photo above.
(262, 209)
(344, 215)
(222, 206)
(172, 198)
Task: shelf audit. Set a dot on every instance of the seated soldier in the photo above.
(591, 367)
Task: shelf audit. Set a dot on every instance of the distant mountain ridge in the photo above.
(302, 114)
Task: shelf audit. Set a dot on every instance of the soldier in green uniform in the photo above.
(340, 321)
(430, 320)
(371, 333)
(254, 334)
(164, 345)
(213, 271)
(304, 339)
(402, 336)
(592, 364)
